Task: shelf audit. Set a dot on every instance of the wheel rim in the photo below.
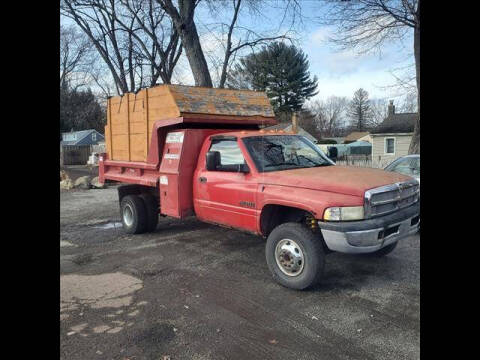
(128, 215)
(289, 257)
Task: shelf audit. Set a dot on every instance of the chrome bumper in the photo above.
(370, 235)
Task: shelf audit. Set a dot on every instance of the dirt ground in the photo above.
(195, 291)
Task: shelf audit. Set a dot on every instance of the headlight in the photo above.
(343, 213)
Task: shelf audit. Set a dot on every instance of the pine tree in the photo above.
(281, 71)
(80, 110)
(360, 110)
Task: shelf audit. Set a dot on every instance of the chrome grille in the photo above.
(389, 198)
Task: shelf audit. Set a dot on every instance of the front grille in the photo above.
(387, 199)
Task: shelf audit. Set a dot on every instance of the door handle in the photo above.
(202, 179)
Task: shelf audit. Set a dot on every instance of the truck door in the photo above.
(223, 197)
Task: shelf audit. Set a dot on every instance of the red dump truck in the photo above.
(183, 151)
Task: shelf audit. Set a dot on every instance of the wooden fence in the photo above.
(74, 155)
(356, 160)
(78, 155)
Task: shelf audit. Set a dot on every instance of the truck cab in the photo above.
(257, 181)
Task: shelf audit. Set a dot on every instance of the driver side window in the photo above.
(230, 153)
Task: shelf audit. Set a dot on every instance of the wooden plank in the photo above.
(109, 122)
(137, 147)
(145, 114)
(137, 127)
(128, 125)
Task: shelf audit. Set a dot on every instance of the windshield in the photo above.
(407, 166)
(283, 152)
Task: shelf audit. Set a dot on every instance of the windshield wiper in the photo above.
(313, 162)
(281, 164)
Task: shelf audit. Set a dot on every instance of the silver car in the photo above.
(407, 165)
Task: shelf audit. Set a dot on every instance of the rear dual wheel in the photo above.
(139, 213)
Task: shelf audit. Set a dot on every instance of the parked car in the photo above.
(406, 165)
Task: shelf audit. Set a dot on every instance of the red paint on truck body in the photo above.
(236, 199)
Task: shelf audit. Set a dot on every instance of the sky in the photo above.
(339, 73)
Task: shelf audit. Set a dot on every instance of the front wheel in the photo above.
(295, 256)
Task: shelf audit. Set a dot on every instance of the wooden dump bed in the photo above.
(130, 118)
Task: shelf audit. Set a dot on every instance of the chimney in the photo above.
(294, 123)
(391, 108)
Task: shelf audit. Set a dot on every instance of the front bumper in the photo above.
(366, 236)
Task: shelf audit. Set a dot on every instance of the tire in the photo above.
(385, 250)
(151, 207)
(310, 249)
(134, 214)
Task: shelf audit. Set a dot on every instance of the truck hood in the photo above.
(348, 180)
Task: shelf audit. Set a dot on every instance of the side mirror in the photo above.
(212, 160)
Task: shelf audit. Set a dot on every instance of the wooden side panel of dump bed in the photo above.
(131, 117)
(130, 121)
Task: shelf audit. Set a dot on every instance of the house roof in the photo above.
(397, 123)
(229, 102)
(80, 135)
(288, 127)
(355, 135)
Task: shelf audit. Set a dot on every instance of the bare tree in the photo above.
(183, 20)
(97, 19)
(379, 108)
(135, 39)
(329, 115)
(307, 120)
(235, 37)
(409, 103)
(366, 25)
(158, 43)
(75, 57)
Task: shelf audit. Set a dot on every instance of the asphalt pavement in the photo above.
(196, 291)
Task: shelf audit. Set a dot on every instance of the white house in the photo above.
(391, 139)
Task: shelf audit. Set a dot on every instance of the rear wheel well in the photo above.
(134, 189)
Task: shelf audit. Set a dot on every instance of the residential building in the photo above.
(391, 139)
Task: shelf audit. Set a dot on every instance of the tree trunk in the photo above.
(183, 20)
(415, 143)
(194, 52)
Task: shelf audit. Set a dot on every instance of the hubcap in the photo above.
(289, 257)
(128, 215)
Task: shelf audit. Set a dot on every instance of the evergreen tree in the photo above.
(281, 71)
(360, 110)
(80, 110)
